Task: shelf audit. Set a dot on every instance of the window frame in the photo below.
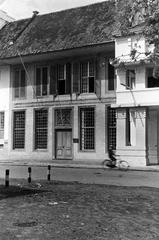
(61, 79)
(80, 129)
(13, 139)
(35, 144)
(41, 85)
(130, 84)
(88, 76)
(148, 69)
(2, 113)
(128, 128)
(20, 86)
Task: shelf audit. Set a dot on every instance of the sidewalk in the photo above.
(85, 175)
(70, 164)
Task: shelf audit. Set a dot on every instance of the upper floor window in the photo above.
(87, 76)
(61, 79)
(111, 76)
(19, 83)
(151, 81)
(130, 78)
(42, 81)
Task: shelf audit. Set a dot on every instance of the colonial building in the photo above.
(57, 86)
(137, 100)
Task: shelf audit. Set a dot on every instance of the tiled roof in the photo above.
(76, 27)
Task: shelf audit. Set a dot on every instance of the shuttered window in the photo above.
(87, 72)
(41, 128)
(42, 82)
(19, 130)
(19, 83)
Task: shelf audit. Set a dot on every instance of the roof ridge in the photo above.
(65, 10)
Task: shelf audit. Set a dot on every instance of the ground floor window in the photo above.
(41, 128)
(87, 128)
(111, 128)
(128, 128)
(1, 125)
(19, 130)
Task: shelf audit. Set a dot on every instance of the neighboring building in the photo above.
(56, 86)
(4, 18)
(137, 101)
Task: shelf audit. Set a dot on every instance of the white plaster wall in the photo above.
(123, 47)
(100, 152)
(135, 154)
(4, 98)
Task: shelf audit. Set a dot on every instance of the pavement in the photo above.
(84, 175)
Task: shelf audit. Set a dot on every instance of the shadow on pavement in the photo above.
(15, 191)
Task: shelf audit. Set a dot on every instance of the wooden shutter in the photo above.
(16, 83)
(53, 79)
(76, 77)
(110, 77)
(22, 83)
(97, 79)
(68, 78)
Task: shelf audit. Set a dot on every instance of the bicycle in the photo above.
(116, 163)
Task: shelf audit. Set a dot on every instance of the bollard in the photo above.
(29, 172)
(48, 173)
(7, 178)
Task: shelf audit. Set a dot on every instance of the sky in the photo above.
(23, 8)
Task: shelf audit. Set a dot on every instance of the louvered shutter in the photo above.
(97, 79)
(53, 79)
(76, 77)
(16, 83)
(68, 78)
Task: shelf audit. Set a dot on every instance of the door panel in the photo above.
(59, 145)
(64, 144)
(153, 137)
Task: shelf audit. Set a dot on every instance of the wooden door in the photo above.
(153, 137)
(63, 144)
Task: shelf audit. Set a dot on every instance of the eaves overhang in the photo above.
(105, 47)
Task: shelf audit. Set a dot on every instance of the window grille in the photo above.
(41, 81)
(41, 128)
(19, 130)
(87, 129)
(111, 128)
(1, 125)
(63, 117)
(87, 77)
(19, 83)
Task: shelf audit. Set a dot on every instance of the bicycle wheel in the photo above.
(108, 163)
(123, 165)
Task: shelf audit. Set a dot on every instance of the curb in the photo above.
(75, 165)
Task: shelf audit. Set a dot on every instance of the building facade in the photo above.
(136, 101)
(57, 87)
